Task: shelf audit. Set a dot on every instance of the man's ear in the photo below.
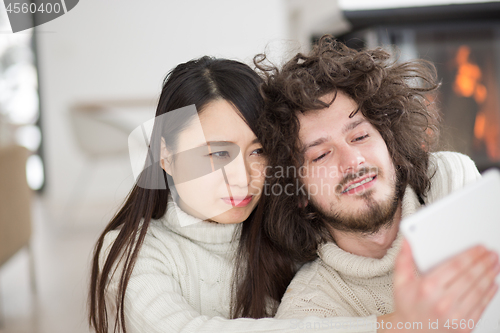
(165, 158)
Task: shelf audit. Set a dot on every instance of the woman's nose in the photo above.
(237, 172)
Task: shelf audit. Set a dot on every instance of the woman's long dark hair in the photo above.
(196, 82)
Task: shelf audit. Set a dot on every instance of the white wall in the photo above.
(314, 18)
(109, 49)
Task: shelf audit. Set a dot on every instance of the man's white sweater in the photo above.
(339, 283)
(181, 282)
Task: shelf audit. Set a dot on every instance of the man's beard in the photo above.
(376, 216)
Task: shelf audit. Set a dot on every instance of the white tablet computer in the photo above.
(465, 218)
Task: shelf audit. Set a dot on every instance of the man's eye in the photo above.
(220, 154)
(360, 138)
(320, 157)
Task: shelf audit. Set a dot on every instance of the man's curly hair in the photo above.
(392, 96)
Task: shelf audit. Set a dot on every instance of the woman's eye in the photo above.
(220, 154)
(320, 157)
(258, 151)
(360, 138)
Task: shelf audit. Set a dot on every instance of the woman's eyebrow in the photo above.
(215, 143)
(223, 143)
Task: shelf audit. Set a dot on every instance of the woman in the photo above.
(166, 261)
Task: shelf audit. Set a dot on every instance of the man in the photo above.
(359, 129)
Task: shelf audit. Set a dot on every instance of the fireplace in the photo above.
(463, 41)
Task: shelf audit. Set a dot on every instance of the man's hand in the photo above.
(459, 289)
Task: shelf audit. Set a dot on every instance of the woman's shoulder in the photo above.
(156, 229)
(159, 242)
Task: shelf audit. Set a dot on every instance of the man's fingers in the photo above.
(476, 313)
(478, 292)
(444, 274)
(474, 281)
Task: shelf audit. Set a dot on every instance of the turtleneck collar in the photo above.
(197, 230)
(353, 265)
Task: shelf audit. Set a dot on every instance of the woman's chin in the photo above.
(220, 212)
(232, 216)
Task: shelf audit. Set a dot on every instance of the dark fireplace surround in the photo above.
(463, 41)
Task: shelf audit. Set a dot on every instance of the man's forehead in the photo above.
(342, 105)
(329, 119)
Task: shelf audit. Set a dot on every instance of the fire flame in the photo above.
(468, 83)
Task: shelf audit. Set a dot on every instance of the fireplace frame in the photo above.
(384, 27)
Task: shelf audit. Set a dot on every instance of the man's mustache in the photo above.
(349, 177)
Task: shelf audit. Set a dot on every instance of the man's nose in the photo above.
(350, 158)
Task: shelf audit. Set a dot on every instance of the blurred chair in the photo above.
(101, 130)
(15, 206)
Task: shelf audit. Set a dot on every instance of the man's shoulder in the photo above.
(312, 277)
(306, 275)
(450, 171)
(310, 290)
(451, 160)
(306, 282)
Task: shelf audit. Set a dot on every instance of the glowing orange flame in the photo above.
(468, 76)
(479, 126)
(480, 94)
(468, 84)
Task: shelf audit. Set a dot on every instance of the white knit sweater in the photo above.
(181, 282)
(339, 283)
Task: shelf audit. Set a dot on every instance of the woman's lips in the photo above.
(238, 201)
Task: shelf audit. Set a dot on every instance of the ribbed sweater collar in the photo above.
(356, 266)
(196, 229)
